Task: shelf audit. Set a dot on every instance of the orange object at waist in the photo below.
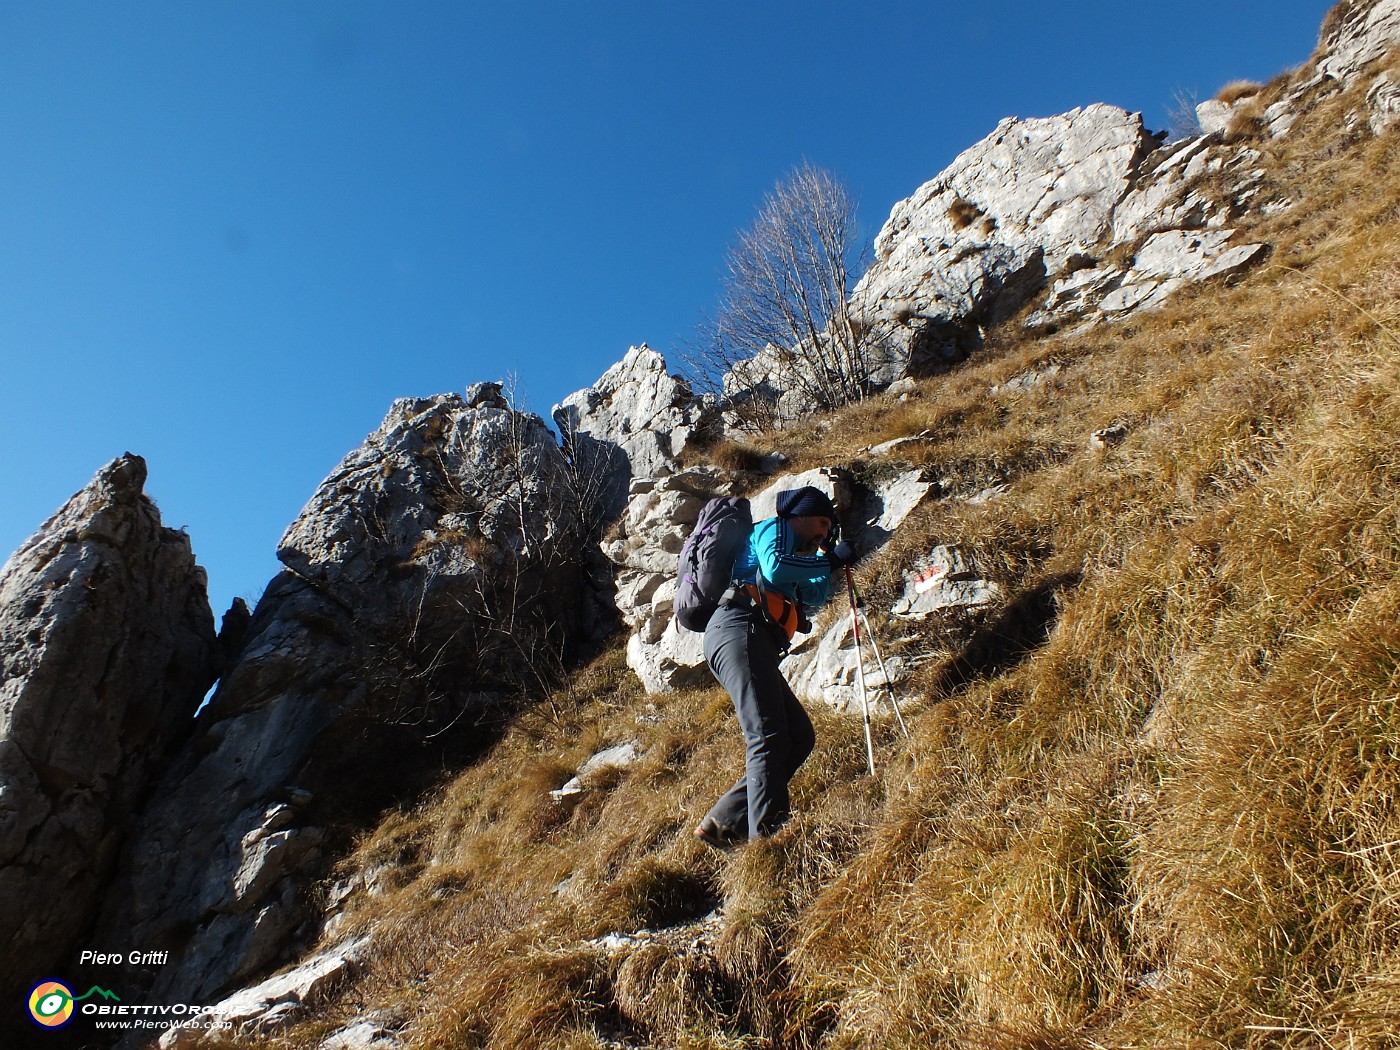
(779, 609)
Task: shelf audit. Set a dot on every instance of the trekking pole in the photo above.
(860, 672)
(875, 648)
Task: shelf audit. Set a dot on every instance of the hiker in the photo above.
(782, 576)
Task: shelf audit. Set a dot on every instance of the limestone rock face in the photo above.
(654, 527)
(822, 668)
(1384, 101)
(946, 583)
(369, 1034)
(1167, 262)
(1363, 33)
(1355, 36)
(433, 572)
(1085, 213)
(107, 646)
(975, 242)
(265, 1008)
(1214, 116)
(441, 493)
(632, 423)
(1041, 205)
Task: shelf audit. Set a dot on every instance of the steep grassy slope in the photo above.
(1152, 803)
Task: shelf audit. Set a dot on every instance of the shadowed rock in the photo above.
(106, 648)
(433, 574)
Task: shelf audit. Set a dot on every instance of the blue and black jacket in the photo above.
(804, 579)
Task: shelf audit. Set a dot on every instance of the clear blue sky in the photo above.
(232, 232)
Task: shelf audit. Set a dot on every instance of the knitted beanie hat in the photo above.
(807, 501)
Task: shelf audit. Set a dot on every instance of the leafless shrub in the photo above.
(1182, 122)
(784, 321)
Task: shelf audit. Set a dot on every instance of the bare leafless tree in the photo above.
(1182, 119)
(784, 321)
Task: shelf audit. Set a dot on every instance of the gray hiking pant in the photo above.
(778, 735)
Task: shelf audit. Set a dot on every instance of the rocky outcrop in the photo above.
(107, 647)
(1356, 35)
(633, 423)
(1165, 263)
(658, 520)
(1383, 100)
(1361, 36)
(1356, 38)
(1085, 216)
(944, 581)
(971, 245)
(644, 548)
(1084, 206)
(369, 1034)
(267, 1007)
(433, 572)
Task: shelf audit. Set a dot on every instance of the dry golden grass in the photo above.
(1153, 804)
(1238, 89)
(737, 456)
(963, 213)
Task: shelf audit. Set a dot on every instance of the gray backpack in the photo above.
(707, 560)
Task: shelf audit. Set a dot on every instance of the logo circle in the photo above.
(51, 1004)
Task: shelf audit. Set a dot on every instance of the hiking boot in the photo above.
(711, 834)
